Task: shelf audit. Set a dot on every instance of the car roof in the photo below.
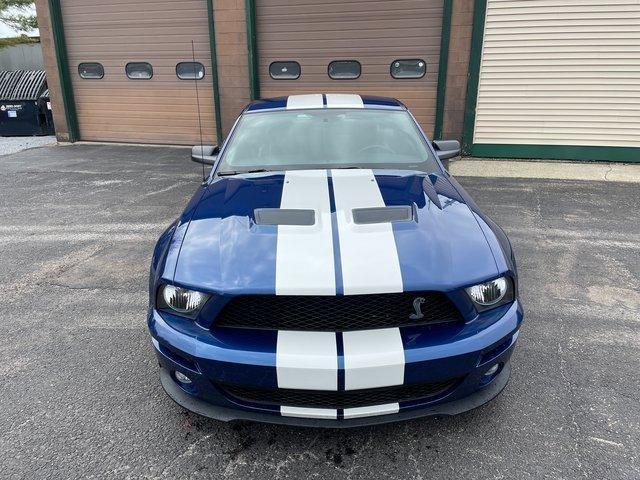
(318, 101)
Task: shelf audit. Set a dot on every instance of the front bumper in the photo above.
(242, 358)
(227, 414)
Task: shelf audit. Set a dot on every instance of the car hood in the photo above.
(225, 249)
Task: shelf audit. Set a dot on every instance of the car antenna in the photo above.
(195, 82)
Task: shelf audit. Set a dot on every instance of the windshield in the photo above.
(329, 138)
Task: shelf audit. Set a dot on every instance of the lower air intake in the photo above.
(335, 399)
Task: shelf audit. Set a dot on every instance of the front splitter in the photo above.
(225, 414)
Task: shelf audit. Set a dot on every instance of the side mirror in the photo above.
(205, 154)
(446, 149)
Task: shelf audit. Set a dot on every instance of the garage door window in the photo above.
(190, 71)
(344, 69)
(413, 68)
(284, 70)
(91, 70)
(139, 70)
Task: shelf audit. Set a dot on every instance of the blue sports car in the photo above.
(330, 272)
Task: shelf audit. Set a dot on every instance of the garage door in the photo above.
(560, 73)
(102, 38)
(377, 34)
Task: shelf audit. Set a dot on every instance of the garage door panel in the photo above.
(170, 138)
(153, 131)
(347, 19)
(319, 59)
(125, 93)
(110, 18)
(162, 83)
(121, 48)
(142, 109)
(353, 26)
(123, 7)
(162, 109)
(124, 31)
(288, 10)
(366, 40)
(373, 32)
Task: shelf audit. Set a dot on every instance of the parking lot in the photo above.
(79, 390)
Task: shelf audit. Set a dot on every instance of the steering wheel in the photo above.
(380, 147)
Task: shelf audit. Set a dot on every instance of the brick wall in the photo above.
(233, 66)
(51, 67)
(458, 69)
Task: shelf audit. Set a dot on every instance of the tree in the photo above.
(18, 14)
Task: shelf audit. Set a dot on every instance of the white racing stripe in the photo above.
(304, 253)
(373, 358)
(369, 260)
(344, 100)
(368, 253)
(313, 100)
(359, 412)
(307, 360)
(302, 412)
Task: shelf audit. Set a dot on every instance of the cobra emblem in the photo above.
(417, 306)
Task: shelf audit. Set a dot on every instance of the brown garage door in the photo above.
(373, 32)
(114, 33)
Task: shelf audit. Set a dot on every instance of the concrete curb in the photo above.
(608, 172)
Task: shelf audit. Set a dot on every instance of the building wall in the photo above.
(51, 67)
(233, 64)
(232, 59)
(458, 69)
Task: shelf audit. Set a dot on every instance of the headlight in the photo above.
(181, 300)
(491, 294)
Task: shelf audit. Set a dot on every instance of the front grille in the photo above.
(335, 399)
(336, 313)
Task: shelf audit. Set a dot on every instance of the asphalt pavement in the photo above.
(79, 389)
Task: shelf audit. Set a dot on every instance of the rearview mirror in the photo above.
(446, 149)
(205, 154)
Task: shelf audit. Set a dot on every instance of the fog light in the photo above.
(182, 378)
(492, 370)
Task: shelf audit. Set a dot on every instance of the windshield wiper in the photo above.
(228, 173)
(348, 167)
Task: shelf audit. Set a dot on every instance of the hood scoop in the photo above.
(366, 216)
(284, 216)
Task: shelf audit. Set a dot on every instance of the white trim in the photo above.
(368, 253)
(297, 272)
(344, 100)
(307, 360)
(359, 412)
(302, 412)
(313, 100)
(373, 358)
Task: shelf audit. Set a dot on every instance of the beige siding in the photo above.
(374, 32)
(560, 73)
(160, 110)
